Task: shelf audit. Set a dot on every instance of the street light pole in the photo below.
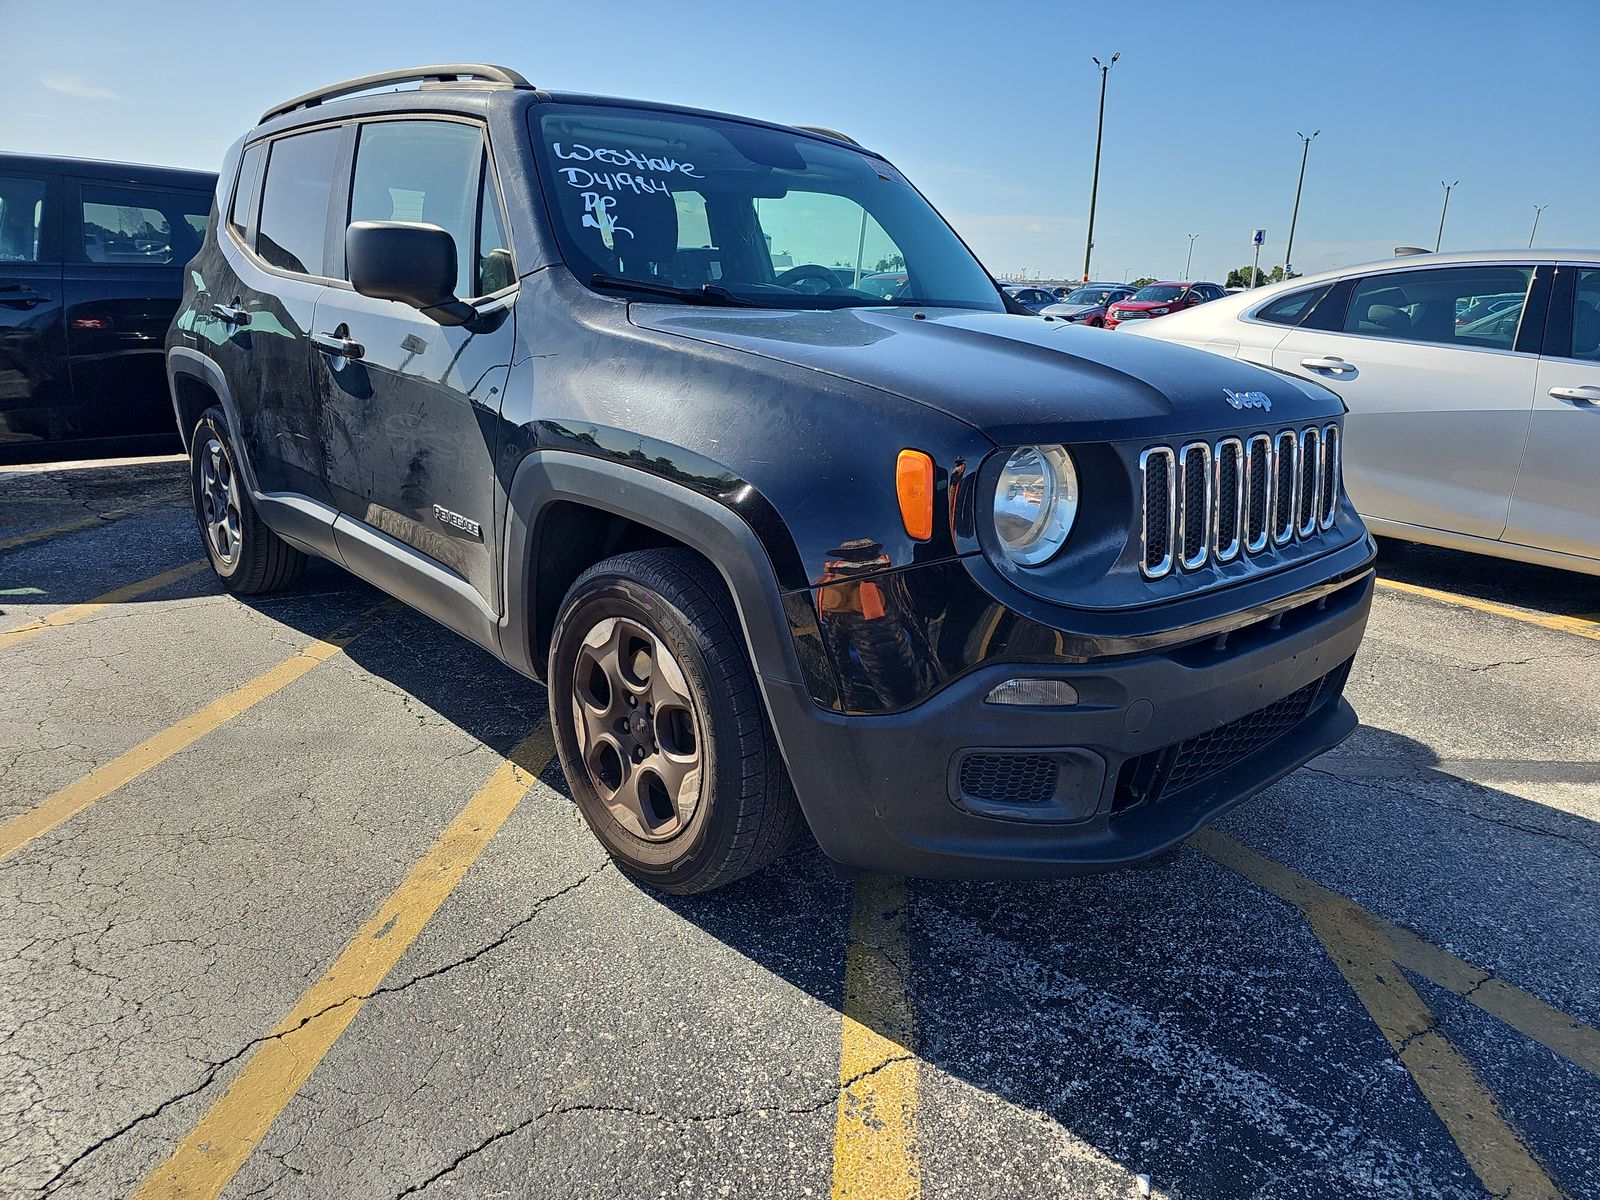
(1448, 188)
(1099, 135)
(1188, 261)
(1537, 210)
(1305, 152)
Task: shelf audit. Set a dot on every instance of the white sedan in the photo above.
(1473, 384)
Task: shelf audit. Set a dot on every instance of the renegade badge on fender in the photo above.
(595, 384)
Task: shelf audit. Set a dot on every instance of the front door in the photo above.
(35, 385)
(1556, 505)
(411, 412)
(1438, 406)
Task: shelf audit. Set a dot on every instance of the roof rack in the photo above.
(448, 72)
(833, 133)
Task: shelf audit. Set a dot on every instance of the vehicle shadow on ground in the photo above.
(1544, 589)
(1174, 1020)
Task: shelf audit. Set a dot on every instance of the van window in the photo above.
(425, 171)
(1452, 306)
(21, 219)
(141, 227)
(294, 204)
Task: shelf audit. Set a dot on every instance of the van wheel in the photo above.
(660, 727)
(247, 556)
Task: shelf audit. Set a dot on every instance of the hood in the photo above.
(1142, 305)
(1017, 379)
(1067, 310)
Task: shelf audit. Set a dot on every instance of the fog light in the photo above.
(1040, 692)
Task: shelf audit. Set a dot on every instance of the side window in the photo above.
(137, 226)
(247, 192)
(496, 269)
(1452, 306)
(21, 219)
(1291, 309)
(293, 226)
(423, 171)
(1586, 317)
(822, 229)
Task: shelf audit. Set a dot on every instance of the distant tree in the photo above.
(1240, 277)
(1143, 281)
(895, 262)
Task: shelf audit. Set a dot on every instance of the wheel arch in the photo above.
(567, 511)
(196, 384)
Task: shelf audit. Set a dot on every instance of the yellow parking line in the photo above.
(206, 1160)
(1357, 943)
(1587, 626)
(89, 522)
(75, 797)
(131, 591)
(875, 1129)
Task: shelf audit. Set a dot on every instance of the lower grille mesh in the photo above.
(1014, 778)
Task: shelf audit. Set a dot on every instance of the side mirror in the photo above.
(407, 262)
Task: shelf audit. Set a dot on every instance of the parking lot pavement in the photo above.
(293, 903)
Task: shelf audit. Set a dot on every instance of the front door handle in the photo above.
(21, 293)
(1329, 363)
(229, 315)
(336, 346)
(1585, 394)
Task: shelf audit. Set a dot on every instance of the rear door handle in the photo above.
(229, 315)
(337, 347)
(1336, 366)
(21, 293)
(1586, 394)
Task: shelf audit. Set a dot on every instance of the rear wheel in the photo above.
(247, 556)
(660, 728)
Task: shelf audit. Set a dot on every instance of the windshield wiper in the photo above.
(706, 293)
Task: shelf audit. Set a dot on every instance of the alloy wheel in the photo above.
(639, 730)
(219, 501)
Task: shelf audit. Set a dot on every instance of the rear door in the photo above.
(35, 385)
(1556, 504)
(1438, 411)
(127, 248)
(410, 426)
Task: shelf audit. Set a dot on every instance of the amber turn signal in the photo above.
(913, 480)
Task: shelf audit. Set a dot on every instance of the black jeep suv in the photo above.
(590, 381)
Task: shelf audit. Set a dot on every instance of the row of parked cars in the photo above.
(1107, 305)
(965, 591)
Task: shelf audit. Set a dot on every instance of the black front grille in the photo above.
(1228, 493)
(1162, 773)
(1158, 512)
(1310, 480)
(1009, 778)
(1259, 484)
(1283, 517)
(1195, 533)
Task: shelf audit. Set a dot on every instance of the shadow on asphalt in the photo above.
(1543, 589)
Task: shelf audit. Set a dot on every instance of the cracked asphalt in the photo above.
(555, 1031)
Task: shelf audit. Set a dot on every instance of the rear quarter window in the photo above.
(1292, 309)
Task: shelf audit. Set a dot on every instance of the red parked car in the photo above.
(1159, 299)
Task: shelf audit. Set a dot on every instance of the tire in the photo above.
(648, 673)
(247, 556)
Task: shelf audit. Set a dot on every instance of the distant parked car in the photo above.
(887, 284)
(1159, 299)
(1474, 423)
(1034, 298)
(91, 270)
(1087, 305)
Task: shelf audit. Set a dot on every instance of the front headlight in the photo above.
(1035, 503)
(1159, 312)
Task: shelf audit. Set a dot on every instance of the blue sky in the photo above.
(989, 108)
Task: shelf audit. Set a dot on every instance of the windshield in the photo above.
(1088, 296)
(1160, 292)
(720, 211)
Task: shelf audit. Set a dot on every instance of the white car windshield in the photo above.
(673, 205)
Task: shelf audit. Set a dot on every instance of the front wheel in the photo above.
(660, 726)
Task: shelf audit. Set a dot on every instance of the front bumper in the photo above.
(888, 793)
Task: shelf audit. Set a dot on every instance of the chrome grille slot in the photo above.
(1258, 493)
(1208, 504)
(1194, 517)
(1309, 500)
(1159, 528)
(1332, 477)
(1285, 485)
(1225, 535)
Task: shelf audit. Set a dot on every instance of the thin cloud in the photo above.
(78, 87)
